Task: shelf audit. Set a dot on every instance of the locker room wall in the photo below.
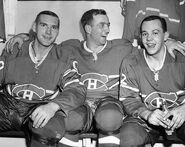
(70, 13)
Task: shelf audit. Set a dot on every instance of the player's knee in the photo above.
(51, 133)
(132, 134)
(108, 117)
(76, 119)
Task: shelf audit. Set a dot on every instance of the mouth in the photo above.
(150, 45)
(47, 37)
(105, 37)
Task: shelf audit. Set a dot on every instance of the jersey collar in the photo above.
(93, 53)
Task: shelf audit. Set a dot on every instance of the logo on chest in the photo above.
(29, 91)
(155, 99)
(95, 81)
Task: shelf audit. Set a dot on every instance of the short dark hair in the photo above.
(154, 17)
(87, 17)
(47, 12)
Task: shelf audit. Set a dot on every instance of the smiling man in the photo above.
(99, 61)
(150, 79)
(41, 88)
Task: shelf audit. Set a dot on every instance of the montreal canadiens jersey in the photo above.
(51, 80)
(2, 65)
(171, 10)
(140, 90)
(101, 76)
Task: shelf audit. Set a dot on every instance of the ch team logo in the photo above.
(100, 82)
(30, 92)
(155, 99)
(95, 81)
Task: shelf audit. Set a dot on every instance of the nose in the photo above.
(107, 28)
(48, 30)
(149, 37)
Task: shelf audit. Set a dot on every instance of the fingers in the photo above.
(10, 44)
(167, 115)
(38, 121)
(162, 123)
(175, 45)
(156, 118)
(123, 6)
(181, 47)
(172, 53)
(19, 39)
(176, 122)
(7, 46)
(182, 51)
(44, 122)
(39, 118)
(178, 125)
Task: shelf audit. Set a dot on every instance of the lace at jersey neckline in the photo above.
(94, 53)
(33, 57)
(155, 70)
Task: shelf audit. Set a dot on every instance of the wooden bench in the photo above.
(12, 139)
(90, 140)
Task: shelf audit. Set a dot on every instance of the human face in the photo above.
(153, 37)
(99, 30)
(47, 30)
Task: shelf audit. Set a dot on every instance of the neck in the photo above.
(93, 47)
(155, 62)
(40, 50)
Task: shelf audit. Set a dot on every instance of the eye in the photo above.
(155, 33)
(54, 27)
(101, 25)
(42, 24)
(144, 34)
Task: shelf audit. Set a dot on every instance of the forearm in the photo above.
(71, 98)
(135, 107)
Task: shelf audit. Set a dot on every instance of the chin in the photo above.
(150, 53)
(103, 42)
(48, 43)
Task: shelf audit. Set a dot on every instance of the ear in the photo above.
(166, 36)
(88, 29)
(34, 27)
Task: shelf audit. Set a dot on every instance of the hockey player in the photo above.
(151, 78)
(98, 62)
(135, 10)
(41, 87)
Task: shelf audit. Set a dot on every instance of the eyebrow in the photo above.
(105, 23)
(152, 30)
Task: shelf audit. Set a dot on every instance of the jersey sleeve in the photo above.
(129, 89)
(72, 91)
(129, 29)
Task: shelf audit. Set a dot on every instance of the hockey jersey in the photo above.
(2, 65)
(55, 79)
(141, 91)
(101, 76)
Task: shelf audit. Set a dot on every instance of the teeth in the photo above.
(151, 45)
